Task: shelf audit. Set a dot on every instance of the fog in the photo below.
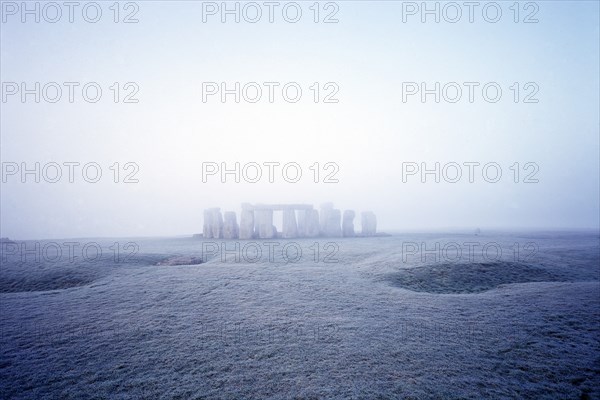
(367, 136)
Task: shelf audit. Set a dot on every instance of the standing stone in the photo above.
(312, 223)
(213, 223)
(348, 223)
(230, 226)
(290, 228)
(301, 215)
(246, 224)
(369, 223)
(263, 224)
(333, 226)
(324, 217)
(206, 229)
(217, 224)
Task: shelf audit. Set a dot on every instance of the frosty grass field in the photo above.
(374, 322)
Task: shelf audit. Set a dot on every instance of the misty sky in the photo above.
(369, 133)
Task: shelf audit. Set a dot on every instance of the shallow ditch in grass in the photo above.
(467, 277)
(46, 276)
(47, 280)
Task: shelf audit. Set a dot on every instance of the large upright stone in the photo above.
(213, 223)
(246, 223)
(230, 226)
(206, 228)
(348, 223)
(368, 223)
(301, 218)
(333, 226)
(217, 224)
(290, 228)
(263, 224)
(324, 216)
(312, 223)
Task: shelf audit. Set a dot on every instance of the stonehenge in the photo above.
(298, 221)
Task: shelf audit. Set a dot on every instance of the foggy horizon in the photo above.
(369, 119)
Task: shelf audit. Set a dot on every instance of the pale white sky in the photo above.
(369, 133)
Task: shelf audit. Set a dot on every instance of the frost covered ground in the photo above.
(377, 320)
